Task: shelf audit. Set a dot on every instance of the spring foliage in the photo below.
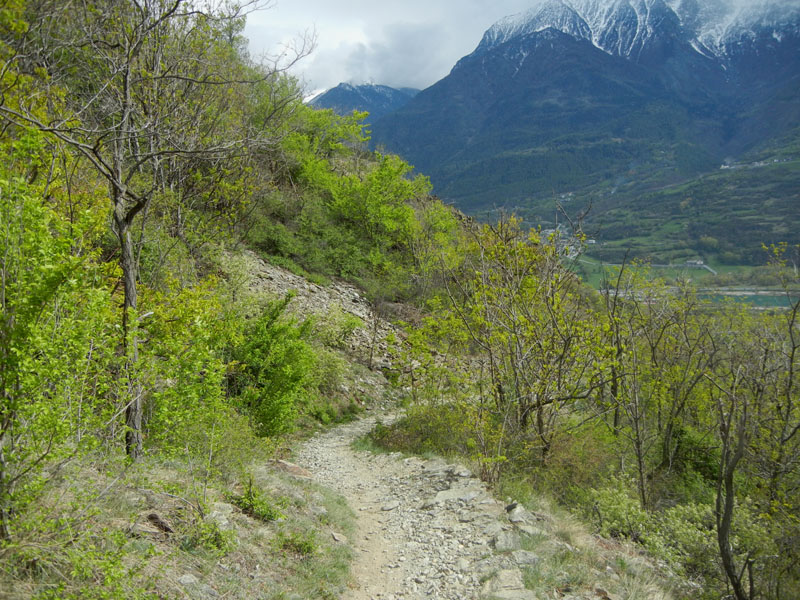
(669, 421)
(129, 332)
(139, 145)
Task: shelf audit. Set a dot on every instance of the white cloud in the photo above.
(410, 43)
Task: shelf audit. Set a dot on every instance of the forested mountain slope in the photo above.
(610, 102)
(377, 100)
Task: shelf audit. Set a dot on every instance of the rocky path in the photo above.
(426, 529)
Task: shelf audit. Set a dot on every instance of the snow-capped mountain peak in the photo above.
(375, 99)
(627, 27)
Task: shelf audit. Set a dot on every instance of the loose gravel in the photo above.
(426, 528)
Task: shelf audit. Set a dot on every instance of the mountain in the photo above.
(611, 102)
(377, 100)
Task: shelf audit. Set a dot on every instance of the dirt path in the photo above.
(426, 529)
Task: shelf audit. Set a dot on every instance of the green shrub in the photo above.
(205, 534)
(328, 412)
(579, 459)
(335, 328)
(73, 564)
(618, 512)
(329, 371)
(276, 363)
(697, 452)
(254, 504)
(296, 542)
(273, 238)
(438, 429)
(685, 537)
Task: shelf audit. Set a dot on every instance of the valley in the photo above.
(678, 143)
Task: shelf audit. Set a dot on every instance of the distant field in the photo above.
(723, 217)
(732, 283)
(756, 298)
(594, 271)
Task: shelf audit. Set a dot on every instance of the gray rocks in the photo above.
(221, 513)
(188, 579)
(506, 585)
(531, 530)
(461, 471)
(427, 527)
(519, 514)
(506, 541)
(338, 537)
(464, 494)
(195, 589)
(524, 558)
(292, 469)
(310, 298)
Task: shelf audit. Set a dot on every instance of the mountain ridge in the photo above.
(377, 100)
(550, 103)
(710, 26)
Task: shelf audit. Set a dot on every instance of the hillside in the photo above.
(612, 103)
(215, 298)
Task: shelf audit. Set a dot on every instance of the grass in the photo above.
(113, 551)
(254, 503)
(573, 560)
(365, 443)
(764, 280)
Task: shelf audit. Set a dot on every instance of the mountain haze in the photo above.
(377, 100)
(608, 102)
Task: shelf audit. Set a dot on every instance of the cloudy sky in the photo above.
(402, 43)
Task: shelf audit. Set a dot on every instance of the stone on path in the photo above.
(292, 469)
(507, 585)
(506, 541)
(462, 494)
(426, 527)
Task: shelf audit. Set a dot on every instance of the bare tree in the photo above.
(734, 414)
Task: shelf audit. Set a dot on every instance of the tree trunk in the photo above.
(615, 397)
(725, 502)
(5, 517)
(542, 431)
(641, 470)
(9, 397)
(667, 452)
(134, 409)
